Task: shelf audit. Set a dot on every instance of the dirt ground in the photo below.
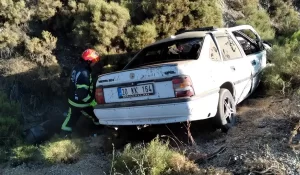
(258, 144)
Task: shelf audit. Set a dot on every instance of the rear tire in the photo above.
(226, 112)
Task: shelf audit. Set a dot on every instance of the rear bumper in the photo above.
(157, 111)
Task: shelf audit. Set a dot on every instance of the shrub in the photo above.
(285, 75)
(11, 36)
(154, 158)
(40, 50)
(268, 163)
(79, 19)
(14, 12)
(10, 125)
(46, 9)
(167, 14)
(97, 24)
(141, 35)
(25, 153)
(258, 18)
(61, 151)
(108, 22)
(170, 16)
(285, 17)
(136, 10)
(203, 13)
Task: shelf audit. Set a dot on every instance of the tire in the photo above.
(225, 117)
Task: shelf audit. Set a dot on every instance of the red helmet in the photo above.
(90, 55)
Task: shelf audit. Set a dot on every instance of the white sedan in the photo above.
(197, 74)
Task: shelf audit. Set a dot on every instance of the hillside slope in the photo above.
(258, 144)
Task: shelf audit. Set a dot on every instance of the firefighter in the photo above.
(81, 92)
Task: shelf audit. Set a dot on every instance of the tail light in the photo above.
(99, 95)
(183, 86)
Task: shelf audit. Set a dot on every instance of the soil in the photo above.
(258, 144)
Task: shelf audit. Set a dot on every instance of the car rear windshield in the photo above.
(176, 50)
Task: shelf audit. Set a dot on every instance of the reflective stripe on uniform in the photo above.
(64, 125)
(93, 103)
(87, 115)
(91, 86)
(82, 86)
(86, 98)
(78, 105)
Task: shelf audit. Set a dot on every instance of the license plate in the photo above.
(136, 91)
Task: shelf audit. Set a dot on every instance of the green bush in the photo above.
(11, 36)
(136, 10)
(40, 50)
(14, 12)
(167, 14)
(96, 24)
(170, 16)
(284, 77)
(203, 13)
(14, 15)
(141, 35)
(46, 9)
(258, 18)
(153, 159)
(108, 20)
(285, 17)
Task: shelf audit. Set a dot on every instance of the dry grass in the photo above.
(157, 158)
(266, 164)
(154, 158)
(62, 151)
(24, 154)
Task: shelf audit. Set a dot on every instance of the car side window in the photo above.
(229, 48)
(213, 51)
(247, 40)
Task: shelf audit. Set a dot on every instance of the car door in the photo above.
(238, 70)
(255, 53)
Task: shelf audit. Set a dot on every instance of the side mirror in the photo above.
(268, 43)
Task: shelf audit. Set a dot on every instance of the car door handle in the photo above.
(253, 62)
(232, 68)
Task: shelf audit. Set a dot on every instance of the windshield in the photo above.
(176, 50)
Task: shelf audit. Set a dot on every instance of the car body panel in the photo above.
(159, 113)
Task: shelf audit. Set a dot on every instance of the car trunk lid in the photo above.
(144, 83)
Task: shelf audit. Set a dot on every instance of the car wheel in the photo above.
(226, 113)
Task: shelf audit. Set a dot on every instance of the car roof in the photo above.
(192, 34)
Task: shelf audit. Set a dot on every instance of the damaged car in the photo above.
(194, 75)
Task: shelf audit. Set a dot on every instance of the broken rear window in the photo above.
(176, 50)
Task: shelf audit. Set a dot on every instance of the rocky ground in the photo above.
(258, 144)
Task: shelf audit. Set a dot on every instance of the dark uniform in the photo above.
(80, 96)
